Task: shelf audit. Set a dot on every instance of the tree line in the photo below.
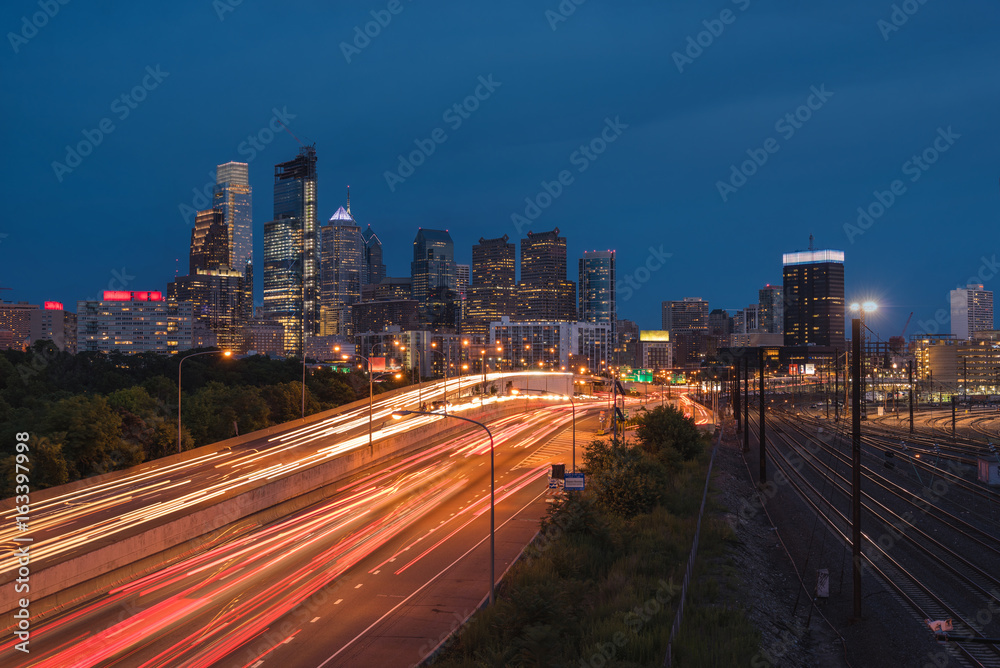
(92, 413)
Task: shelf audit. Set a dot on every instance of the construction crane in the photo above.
(903, 334)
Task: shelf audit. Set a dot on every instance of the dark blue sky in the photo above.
(656, 185)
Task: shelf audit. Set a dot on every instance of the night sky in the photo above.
(884, 85)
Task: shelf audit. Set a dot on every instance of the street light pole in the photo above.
(493, 579)
(180, 364)
(856, 463)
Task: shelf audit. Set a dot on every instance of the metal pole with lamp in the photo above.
(225, 353)
(493, 579)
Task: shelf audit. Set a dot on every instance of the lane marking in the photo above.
(313, 620)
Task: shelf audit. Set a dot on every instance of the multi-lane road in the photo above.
(376, 574)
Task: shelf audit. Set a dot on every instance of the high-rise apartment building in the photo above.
(291, 256)
(971, 310)
(771, 309)
(814, 298)
(134, 322)
(54, 323)
(491, 295)
(544, 293)
(597, 288)
(342, 270)
(16, 319)
(435, 278)
(233, 197)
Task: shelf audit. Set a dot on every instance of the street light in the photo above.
(371, 392)
(571, 403)
(398, 414)
(225, 353)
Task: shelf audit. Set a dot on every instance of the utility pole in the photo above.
(746, 404)
(836, 384)
(856, 468)
(953, 405)
(763, 456)
(910, 364)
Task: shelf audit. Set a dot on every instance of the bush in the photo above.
(625, 480)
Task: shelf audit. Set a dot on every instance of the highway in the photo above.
(374, 575)
(65, 523)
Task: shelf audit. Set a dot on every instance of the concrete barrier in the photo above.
(183, 531)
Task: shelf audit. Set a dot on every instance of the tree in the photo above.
(625, 480)
(666, 434)
(211, 411)
(90, 432)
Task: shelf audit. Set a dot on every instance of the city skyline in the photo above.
(668, 139)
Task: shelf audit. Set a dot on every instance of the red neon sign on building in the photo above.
(54, 306)
(126, 296)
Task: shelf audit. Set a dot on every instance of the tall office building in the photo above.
(814, 298)
(491, 295)
(291, 257)
(375, 268)
(683, 317)
(342, 270)
(543, 292)
(209, 242)
(720, 323)
(435, 278)
(232, 197)
(771, 309)
(597, 288)
(462, 288)
(971, 311)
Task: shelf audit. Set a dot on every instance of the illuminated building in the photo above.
(16, 319)
(551, 345)
(771, 309)
(219, 300)
(233, 198)
(597, 288)
(388, 288)
(435, 278)
(342, 271)
(491, 295)
(971, 311)
(684, 317)
(657, 353)
(209, 242)
(543, 293)
(291, 262)
(265, 337)
(54, 323)
(134, 322)
(814, 298)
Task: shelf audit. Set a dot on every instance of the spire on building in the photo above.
(348, 199)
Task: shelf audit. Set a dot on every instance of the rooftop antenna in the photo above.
(348, 199)
(811, 242)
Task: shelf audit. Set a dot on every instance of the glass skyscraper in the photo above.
(233, 198)
(544, 293)
(342, 270)
(291, 262)
(597, 287)
(435, 278)
(814, 298)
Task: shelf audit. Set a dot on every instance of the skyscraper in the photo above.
(544, 293)
(814, 298)
(491, 295)
(342, 270)
(971, 310)
(209, 242)
(462, 288)
(597, 288)
(435, 278)
(233, 198)
(291, 262)
(771, 309)
(375, 268)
